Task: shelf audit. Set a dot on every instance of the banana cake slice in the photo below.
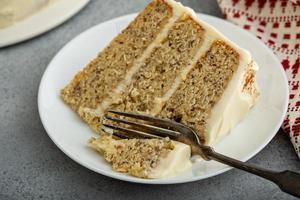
(170, 64)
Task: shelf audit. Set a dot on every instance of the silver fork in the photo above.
(288, 181)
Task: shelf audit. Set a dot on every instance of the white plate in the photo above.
(42, 21)
(70, 134)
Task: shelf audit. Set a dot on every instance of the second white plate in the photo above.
(70, 133)
(39, 23)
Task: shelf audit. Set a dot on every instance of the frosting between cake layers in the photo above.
(205, 47)
(137, 65)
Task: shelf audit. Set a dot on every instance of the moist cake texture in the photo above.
(203, 87)
(102, 75)
(170, 64)
(159, 71)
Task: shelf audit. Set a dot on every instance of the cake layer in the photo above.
(191, 104)
(159, 71)
(102, 75)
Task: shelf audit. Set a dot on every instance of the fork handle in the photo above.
(288, 181)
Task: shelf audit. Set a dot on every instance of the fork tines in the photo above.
(155, 127)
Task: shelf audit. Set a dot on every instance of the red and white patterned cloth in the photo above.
(277, 24)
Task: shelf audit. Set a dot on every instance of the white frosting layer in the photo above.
(201, 51)
(232, 108)
(178, 160)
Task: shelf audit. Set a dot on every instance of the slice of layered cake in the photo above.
(170, 64)
(145, 158)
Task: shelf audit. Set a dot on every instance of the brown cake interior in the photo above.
(101, 76)
(191, 104)
(158, 73)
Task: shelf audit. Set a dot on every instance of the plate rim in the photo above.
(44, 28)
(115, 175)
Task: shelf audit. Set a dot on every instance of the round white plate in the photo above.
(44, 20)
(70, 133)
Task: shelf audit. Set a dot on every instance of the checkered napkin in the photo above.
(277, 24)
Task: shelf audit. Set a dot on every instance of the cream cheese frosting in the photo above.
(232, 107)
(12, 11)
(178, 160)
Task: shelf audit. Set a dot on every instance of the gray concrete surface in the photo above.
(32, 167)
